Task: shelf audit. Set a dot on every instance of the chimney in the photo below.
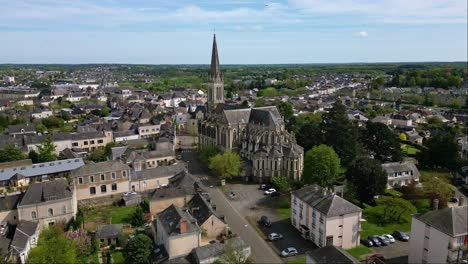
(435, 204)
(183, 226)
(214, 207)
(461, 201)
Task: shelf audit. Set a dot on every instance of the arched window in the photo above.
(50, 212)
(33, 215)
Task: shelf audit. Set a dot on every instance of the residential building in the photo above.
(140, 160)
(439, 236)
(401, 173)
(330, 255)
(8, 209)
(9, 79)
(25, 238)
(177, 230)
(325, 218)
(155, 178)
(258, 134)
(211, 252)
(48, 202)
(101, 179)
(109, 234)
(148, 130)
(208, 220)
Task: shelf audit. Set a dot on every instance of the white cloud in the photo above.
(363, 34)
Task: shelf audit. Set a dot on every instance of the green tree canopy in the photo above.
(98, 155)
(53, 122)
(138, 249)
(286, 110)
(53, 247)
(226, 165)
(395, 208)
(11, 153)
(340, 133)
(367, 179)
(321, 166)
(46, 151)
(441, 152)
(381, 142)
(138, 217)
(206, 152)
(280, 183)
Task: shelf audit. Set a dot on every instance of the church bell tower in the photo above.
(216, 82)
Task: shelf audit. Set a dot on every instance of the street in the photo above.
(261, 251)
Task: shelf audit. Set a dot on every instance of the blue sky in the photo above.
(248, 31)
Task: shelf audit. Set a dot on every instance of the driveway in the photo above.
(394, 250)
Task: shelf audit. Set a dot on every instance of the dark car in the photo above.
(402, 236)
(375, 241)
(264, 221)
(275, 194)
(384, 240)
(367, 242)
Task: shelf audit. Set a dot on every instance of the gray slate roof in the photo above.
(451, 221)
(9, 202)
(100, 167)
(108, 231)
(179, 185)
(395, 167)
(24, 230)
(42, 168)
(200, 209)
(329, 203)
(46, 191)
(159, 172)
(171, 218)
(332, 254)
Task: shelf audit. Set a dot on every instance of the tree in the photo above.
(53, 122)
(11, 153)
(395, 208)
(321, 166)
(226, 165)
(138, 249)
(340, 133)
(98, 155)
(286, 110)
(33, 156)
(403, 137)
(367, 179)
(138, 217)
(234, 254)
(207, 152)
(310, 135)
(46, 151)
(53, 247)
(280, 183)
(381, 142)
(436, 188)
(441, 152)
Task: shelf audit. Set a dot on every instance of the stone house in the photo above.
(109, 234)
(211, 223)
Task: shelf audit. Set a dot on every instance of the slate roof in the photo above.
(42, 168)
(100, 167)
(4, 244)
(331, 254)
(200, 209)
(28, 128)
(208, 251)
(108, 231)
(171, 217)
(46, 191)
(179, 185)
(395, 167)
(24, 231)
(117, 152)
(9, 202)
(266, 116)
(237, 116)
(159, 172)
(451, 221)
(328, 203)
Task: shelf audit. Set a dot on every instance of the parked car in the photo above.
(129, 193)
(400, 235)
(205, 195)
(264, 221)
(390, 238)
(262, 187)
(275, 236)
(367, 242)
(375, 241)
(384, 240)
(379, 256)
(290, 251)
(269, 191)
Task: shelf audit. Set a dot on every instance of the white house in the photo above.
(401, 173)
(325, 218)
(439, 236)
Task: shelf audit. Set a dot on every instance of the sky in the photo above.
(247, 31)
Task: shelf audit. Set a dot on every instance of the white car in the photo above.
(129, 193)
(290, 251)
(275, 236)
(390, 237)
(270, 191)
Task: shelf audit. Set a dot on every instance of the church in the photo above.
(257, 134)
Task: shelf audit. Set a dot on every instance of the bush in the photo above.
(280, 183)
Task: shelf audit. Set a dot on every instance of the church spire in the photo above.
(215, 70)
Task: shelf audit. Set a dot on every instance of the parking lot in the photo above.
(249, 196)
(394, 250)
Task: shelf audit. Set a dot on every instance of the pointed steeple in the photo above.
(215, 70)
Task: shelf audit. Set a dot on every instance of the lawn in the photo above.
(410, 150)
(439, 174)
(117, 257)
(372, 226)
(359, 252)
(110, 214)
(283, 213)
(298, 260)
(281, 204)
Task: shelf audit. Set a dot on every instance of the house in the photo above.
(151, 159)
(208, 220)
(25, 238)
(401, 173)
(17, 130)
(177, 230)
(48, 202)
(330, 255)
(101, 179)
(414, 137)
(148, 130)
(439, 236)
(155, 178)
(399, 120)
(211, 252)
(8, 209)
(325, 218)
(179, 191)
(43, 113)
(109, 234)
